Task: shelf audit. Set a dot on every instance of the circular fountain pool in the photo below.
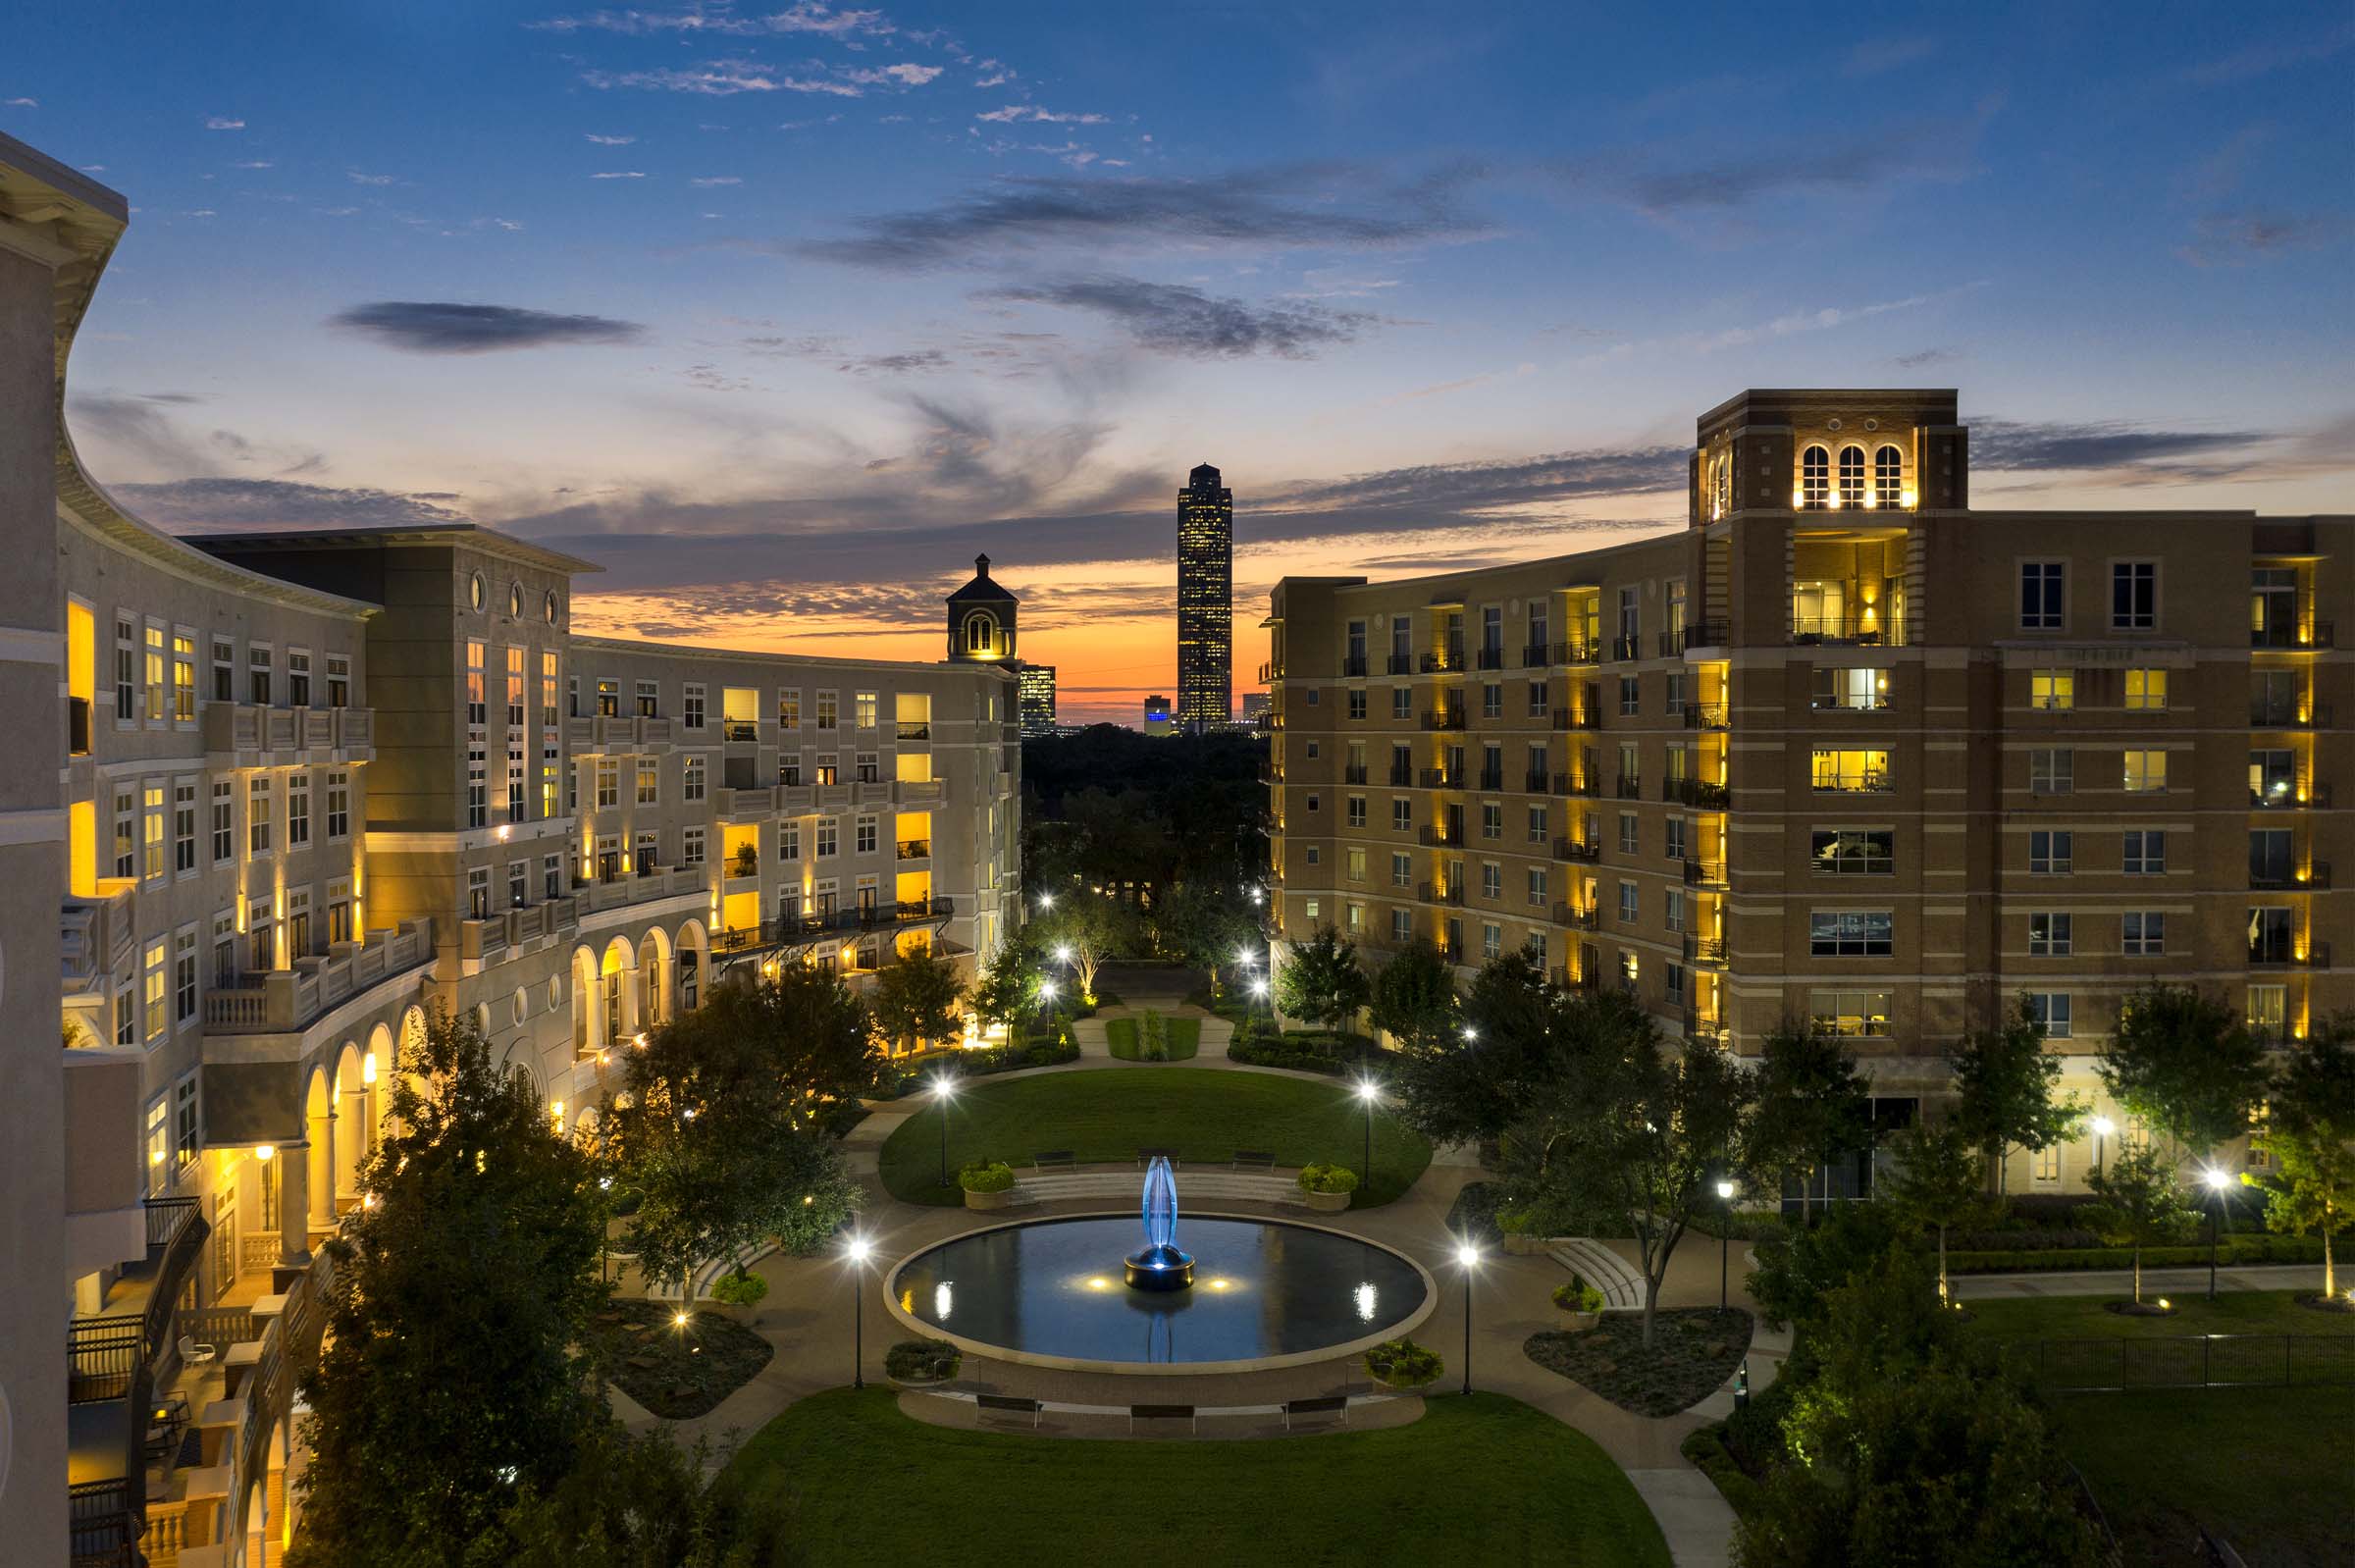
(1266, 1294)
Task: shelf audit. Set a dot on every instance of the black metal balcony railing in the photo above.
(1445, 718)
(740, 729)
(2290, 878)
(1561, 976)
(1565, 784)
(1533, 655)
(1434, 836)
(1571, 916)
(1402, 775)
(104, 1521)
(1353, 665)
(1870, 782)
(1708, 950)
(1353, 773)
(1575, 650)
(2271, 954)
(1440, 893)
(1694, 792)
(1704, 715)
(1844, 702)
(1535, 783)
(1855, 631)
(2298, 632)
(1589, 719)
(1707, 634)
(1704, 873)
(1491, 657)
(1630, 787)
(1625, 649)
(915, 849)
(1271, 672)
(785, 929)
(1402, 664)
(2289, 715)
(1438, 778)
(1671, 644)
(1448, 661)
(1491, 778)
(2290, 798)
(1583, 851)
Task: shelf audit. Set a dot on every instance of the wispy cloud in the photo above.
(721, 79)
(199, 506)
(254, 162)
(2002, 445)
(705, 181)
(620, 173)
(1321, 205)
(609, 141)
(1920, 358)
(2265, 58)
(1663, 184)
(20, 103)
(441, 327)
(359, 178)
(223, 123)
(1031, 114)
(804, 17)
(2225, 240)
(1175, 319)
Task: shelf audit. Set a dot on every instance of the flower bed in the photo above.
(1697, 1350)
(676, 1372)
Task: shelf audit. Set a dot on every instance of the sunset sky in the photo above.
(784, 312)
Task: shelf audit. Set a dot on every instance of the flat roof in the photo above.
(474, 535)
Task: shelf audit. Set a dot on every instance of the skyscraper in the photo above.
(1205, 595)
(1037, 685)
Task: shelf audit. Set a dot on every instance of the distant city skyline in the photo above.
(783, 320)
(1205, 599)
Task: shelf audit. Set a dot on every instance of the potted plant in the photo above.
(988, 1184)
(1327, 1186)
(746, 863)
(1582, 1301)
(1403, 1366)
(741, 1293)
(1521, 1238)
(923, 1363)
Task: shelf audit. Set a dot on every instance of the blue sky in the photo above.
(783, 311)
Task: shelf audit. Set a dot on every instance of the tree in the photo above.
(638, 1503)
(1812, 1106)
(1470, 1083)
(2004, 1082)
(915, 1000)
(1939, 1183)
(1008, 988)
(461, 1291)
(2139, 1206)
(721, 1121)
(1083, 930)
(1208, 925)
(1414, 997)
(1631, 1129)
(1322, 982)
(2184, 1063)
(2308, 1130)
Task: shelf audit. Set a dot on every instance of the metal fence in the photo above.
(2188, 1361)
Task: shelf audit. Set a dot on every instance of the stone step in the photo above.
(1193, 1186)
(1622, 1286)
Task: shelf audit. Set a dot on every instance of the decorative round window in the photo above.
(551, 607)
(475, 591)
(555, 991)
(482, 1018)
(515, 599)
(523, 1004)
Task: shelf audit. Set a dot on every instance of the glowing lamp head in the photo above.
(2217, 1180)
(678, 1320)
(266, 1153)
(1471, 1033)
(1468, 1256)
(1368, 1090)
(945, 1086)
(1063, 954)
(858, 1250)
(1258, 989)
(2104, 1126)
(1046, 988)
(1046, 901)
(1725, 1189)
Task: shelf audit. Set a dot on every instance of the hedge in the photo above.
(2233, 1250)
(1705, 1447)
(981, 1064)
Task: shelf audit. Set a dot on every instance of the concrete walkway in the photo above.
(809, 1313)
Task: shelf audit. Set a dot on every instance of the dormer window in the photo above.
(981, 635)
(1815, 478)
(1888, 476)
(1852, 476)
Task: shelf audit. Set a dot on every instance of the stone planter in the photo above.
(988, 1201)
(1580, 1321)
(1521, 1245)
(920, 1385)
(1328, 1202)
(750, 1316)
(1407, 1389)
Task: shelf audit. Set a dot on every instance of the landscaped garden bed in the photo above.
(1129, 1040)
(1105, 1117)
(1696, 1349)
(1475, 1480)
(675, 1371)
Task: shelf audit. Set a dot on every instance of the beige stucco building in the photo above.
(1844, 749)
(273, 797)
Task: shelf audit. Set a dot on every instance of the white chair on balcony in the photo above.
(193, 1354)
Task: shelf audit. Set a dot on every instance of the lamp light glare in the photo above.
(1063, 954)
(1468, 1255)
(2104, 1126)
(678, 1320)
(266, 1153)
(368, 1070)
(1046, 901)
(858, 1247)
(1369, 1090)
(1258, 989)
(1725, 1189)
(2218, 1179)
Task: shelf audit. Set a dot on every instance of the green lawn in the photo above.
(1205, 1114)
(1476, 1480)
(1182, 1036)
(2269, 1469)
(2083, 1317)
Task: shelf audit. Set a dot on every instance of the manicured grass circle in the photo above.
(1106, 1114)
(1479, 1479)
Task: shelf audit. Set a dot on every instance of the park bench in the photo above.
(1331, 1404)
(1006, 1404)
(1254, 1160)
(1147, 1156)
(1184, 1413)
(1052, 1160)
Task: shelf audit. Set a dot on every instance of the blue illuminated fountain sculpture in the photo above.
(1160, 1265)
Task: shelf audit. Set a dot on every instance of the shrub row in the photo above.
(2233, 1250)
(980, 1063)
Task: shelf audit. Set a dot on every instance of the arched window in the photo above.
(1852, 476)
(979, 634)
(1889, 476)
(1722, 489)
(1814, 477)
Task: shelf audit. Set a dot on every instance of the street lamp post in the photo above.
(944, 1089)
(1725, 1232)
(2216, 1208)
(857, 1249)
(2102, 1127)
(1468, 1256)
(1369, 1091)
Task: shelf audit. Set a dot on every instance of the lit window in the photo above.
(1889, 477)
(2052, 689)
(1814, 477)
(1841, 769)
(2145, 772)
(1852, 476)
(2146, 689)
(1851, 1014)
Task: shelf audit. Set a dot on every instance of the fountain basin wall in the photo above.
(1050, 1293)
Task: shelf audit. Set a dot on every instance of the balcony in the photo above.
(1271, 672)
(622, 733)
(1450, 661)
(1402, 664)
(1353, 667)
(2314, 878)
(1438, 778)
(1432, 836)
(283, 1001)
(1583, 851)
(743, 865)
(1536, 655)
(1625, 650)
(1709, 1032)
(2268, 955)
(96, 934)
(1706, 951)
(2286, 797)
(1694, 792)
(1568, 981)
(904, 792)
(914, 849)
(1402, 777)
(2290, 716)
(1353, 773)
(1565, 719)
(1576, 919)
(1706, 716)
(1704, 874)
(740, 731)
(1491, 778)
(244, 735)
(911, 729)
(1447, 718)
(1584, 787)
(1575, 650)
(1853, 631)
(801, 930)
(1706, 634)
(1869, 782)
(1441, 893)
(746, 804)
(621, 891)
(1630, 787)
(1490, 658)
(1270, 774)
(2303, 632)
(1536, 783)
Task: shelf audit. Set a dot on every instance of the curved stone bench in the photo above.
(1194, 1187)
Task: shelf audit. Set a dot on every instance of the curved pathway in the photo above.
(812, 1304)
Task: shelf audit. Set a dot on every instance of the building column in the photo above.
(321, 1211)
(356, 1143)
(293, 1162)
